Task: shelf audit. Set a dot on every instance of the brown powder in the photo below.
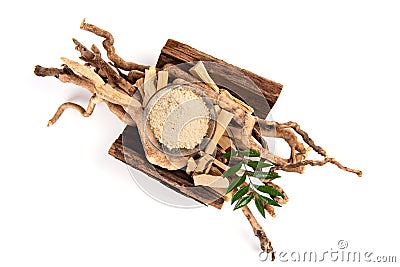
(179, 119)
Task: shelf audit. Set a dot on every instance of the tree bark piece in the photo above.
(175, 52)
(131, 152)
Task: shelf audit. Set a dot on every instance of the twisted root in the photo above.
(66, 75)
(93, 101)
(108, 45)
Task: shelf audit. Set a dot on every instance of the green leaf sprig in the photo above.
(261, 194)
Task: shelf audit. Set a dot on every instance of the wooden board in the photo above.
(128, 148)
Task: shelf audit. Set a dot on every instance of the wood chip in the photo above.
(203, 162)
(149, 86)
(200, 71)
(191, 165)
(225, 142)
(220, 164)
(162, 79)
(223, 120)
(207, 170)
(217, 109)
(139, 85)
(210, 180)
(102, 89)
(178, 162)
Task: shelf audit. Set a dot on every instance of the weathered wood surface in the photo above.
(258, 92)
(128, 148)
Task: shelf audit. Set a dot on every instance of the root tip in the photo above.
(82, 23)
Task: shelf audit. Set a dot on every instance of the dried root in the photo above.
(108, 45)
(85, 113)
(66, 75)
(297, 161)
(265, 243)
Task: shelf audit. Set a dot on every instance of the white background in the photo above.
(65, 202)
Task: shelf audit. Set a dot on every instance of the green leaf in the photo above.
(250, 153)
(230, 154)
(243, 202)
(258, 164)
(235, 183)
(263, 175)
(269, 201)
(232, 170)
(241, 192)
(260, 207)
(269, 190)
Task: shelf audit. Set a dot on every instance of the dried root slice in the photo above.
(210, 180)
(102, 89)
(203, 162)
(219, 164)
(200, 71)
(149, 86)
(139, 85)
(225, 142)
(191, 166)
(223, 119)
(162, 79)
